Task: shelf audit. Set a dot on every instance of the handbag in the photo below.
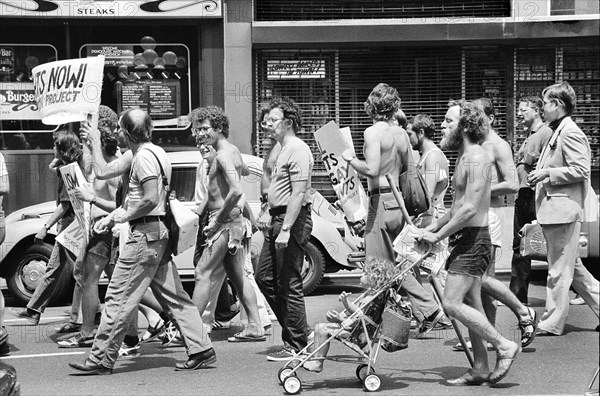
(183, 223)
(413, 188)
(533, 243)
(395, 323)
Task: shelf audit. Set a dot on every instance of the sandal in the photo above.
(76, 341)
(528, 328)
(503, 364)
(68, 327)
(153, 332)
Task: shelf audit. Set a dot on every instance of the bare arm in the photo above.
(370, 166)
(508, 180)
(433, 166)
(103, 170)
(137, 209)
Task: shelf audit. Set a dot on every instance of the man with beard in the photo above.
(226, 234)
(433, 163)
(464, 129)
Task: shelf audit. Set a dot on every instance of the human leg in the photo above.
(321, 347)
(95, 261)
(586, 286)
(209, 276)
(234, 266)
(562, 245)
(521, 266)
(289, 281)
(265, 320)
(168, 289)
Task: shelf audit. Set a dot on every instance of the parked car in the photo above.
(23, 263)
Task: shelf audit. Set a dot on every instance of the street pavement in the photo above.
(551, 365)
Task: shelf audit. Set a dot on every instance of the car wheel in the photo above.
(30, 268)
(312, 268)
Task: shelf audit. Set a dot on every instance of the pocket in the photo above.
(390, 204)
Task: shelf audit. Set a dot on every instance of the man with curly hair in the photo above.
(226, 239)
(465, 127)
(387, 149)
(279, 269)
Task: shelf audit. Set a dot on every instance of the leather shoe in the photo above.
(32, 318)
(90, 368)
(198, 360)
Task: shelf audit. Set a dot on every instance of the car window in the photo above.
(183, 181)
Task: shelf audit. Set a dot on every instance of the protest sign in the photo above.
(68, 90)
(346, 183)
(409, 248)
(73, 178)
(72, 238)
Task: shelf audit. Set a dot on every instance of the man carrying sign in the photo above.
(385, 151)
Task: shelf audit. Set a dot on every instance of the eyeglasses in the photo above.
(200, 130)
(271, 121)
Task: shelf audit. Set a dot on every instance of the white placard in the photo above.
(408, 248)
(344, 179)
(72, 238)
(67, 91)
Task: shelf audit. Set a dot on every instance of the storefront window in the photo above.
(20, 125)
(154, 77)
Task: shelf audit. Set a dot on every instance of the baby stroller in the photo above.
(366, 336)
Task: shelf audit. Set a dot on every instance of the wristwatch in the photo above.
(286, 228)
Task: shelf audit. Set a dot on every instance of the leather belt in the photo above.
(147, 219)
(379, 191)
(282, 209)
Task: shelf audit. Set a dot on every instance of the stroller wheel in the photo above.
(372, 383)
(285, 372)
(361, 372)
(292, 385)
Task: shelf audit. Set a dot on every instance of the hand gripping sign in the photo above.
(332, 142)
(68, 90)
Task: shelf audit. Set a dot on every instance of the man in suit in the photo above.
(562, 182)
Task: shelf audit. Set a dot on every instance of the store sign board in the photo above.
(7, 60)
(111, 9)
(114, 55)
(160, 98)
(17, 101)
(68, 90)
(295, 69)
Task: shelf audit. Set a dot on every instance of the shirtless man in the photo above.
(464, 128)
(504, 181)
(226, 232)
(386, 149)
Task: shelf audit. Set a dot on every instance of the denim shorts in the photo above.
(471, 252)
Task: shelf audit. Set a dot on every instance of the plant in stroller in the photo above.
(358, 327)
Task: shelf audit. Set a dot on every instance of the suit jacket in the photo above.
(559, 199)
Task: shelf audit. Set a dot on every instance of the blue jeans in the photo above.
(60, 259)
(279, 278)
(145, 261)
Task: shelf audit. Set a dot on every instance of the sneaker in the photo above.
(429, 323)
(221, 325)
(281, 355)
(127, 350)
(577, 301)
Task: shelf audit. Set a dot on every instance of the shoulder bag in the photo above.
(182, 222)
(413, 188)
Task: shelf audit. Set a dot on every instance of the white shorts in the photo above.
(495, 225)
